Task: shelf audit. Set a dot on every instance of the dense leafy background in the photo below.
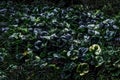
(46, 42)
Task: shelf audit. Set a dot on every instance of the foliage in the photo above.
(44, 42)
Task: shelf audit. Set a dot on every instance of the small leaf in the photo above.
(99, 61)
(82, 69)
(68, 53)
(95, 48)
(117, 64)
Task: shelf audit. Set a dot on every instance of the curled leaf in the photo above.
(99, 61)
(95, 48)
(82, 69)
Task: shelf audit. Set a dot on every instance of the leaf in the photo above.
(1, 59)
(117, 64)
(56, 55)
(99, 61)
(82, 69)
(83, 50)
(68, 53)
(95, 48)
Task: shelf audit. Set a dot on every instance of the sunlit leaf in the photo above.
(82, 69)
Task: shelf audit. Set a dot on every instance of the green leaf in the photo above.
(82, 69)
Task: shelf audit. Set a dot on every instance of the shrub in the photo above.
(48, 42)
